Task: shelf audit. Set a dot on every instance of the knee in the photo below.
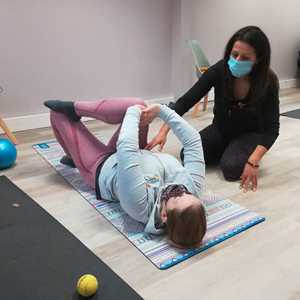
(137, 101)
(142, 102)
(232, 169)
(56, 117)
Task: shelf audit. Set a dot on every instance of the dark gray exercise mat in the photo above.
(292, 114)
(42, 260)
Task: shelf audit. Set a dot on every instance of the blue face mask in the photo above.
(240, 68)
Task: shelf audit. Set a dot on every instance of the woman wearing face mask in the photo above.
(246, 108)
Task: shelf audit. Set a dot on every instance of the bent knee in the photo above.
(232, 170)
(135, 101)
(57, 117)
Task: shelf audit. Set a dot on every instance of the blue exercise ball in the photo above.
(8, 153)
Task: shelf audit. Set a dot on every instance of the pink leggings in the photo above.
(86, 151)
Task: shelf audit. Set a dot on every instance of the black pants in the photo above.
(231, 154)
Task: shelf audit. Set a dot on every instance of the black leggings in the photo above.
(230, 154)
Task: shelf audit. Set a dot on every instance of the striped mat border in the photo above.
(225, 218)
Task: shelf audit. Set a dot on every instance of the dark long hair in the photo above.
(261, 75)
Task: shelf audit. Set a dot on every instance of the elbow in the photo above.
(269, 140)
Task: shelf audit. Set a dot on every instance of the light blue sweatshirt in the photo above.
(136, 177)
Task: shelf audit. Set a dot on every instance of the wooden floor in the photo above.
(261, 263)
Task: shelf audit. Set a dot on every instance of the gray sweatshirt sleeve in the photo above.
(131, 180)
(192, 145)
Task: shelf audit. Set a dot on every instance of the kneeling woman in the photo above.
(246, 107)
(153, 188)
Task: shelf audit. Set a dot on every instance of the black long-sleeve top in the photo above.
(235, 117)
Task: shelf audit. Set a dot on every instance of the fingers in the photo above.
(154, 143)
(146, 118)
(161, 146)
(243, 180)
(151, 111)
(248, 183)
(140, 106)
(245, 185)
(147, 108)
(150, 145)
(254, 183)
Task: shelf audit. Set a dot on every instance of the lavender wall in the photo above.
(182, 66)
(85, 49)
(213, 22)
(75, 49)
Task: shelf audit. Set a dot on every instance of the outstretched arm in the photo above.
(188, 100)
(188, 136)
(271, 124)
(131, 181)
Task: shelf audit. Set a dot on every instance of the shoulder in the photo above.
(218, 66)
(217, 70)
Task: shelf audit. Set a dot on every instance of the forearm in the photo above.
(192, 145)
(164, 130)
(131, 182)
(128, 136)
(257, 154)
(186, 134)
(197, 92)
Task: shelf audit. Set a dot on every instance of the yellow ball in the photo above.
(87, 285)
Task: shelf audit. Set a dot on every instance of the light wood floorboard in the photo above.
(261, 263)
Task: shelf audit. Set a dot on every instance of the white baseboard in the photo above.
(27, 122)
(289, 83)
(42, 120)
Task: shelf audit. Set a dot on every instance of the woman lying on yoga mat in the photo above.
(153, 188)
(246, 108)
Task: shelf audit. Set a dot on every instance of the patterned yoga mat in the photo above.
(225, 218)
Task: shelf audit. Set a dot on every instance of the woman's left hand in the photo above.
(249, 178)
(149, 113)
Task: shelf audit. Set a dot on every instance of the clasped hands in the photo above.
(149, 113)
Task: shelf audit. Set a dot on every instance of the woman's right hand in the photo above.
(160, 139)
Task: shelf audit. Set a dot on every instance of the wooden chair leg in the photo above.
(8, 132)
(205, 102)
(197, 106)
(196, 109)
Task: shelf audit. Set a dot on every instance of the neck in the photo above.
(243, 79)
